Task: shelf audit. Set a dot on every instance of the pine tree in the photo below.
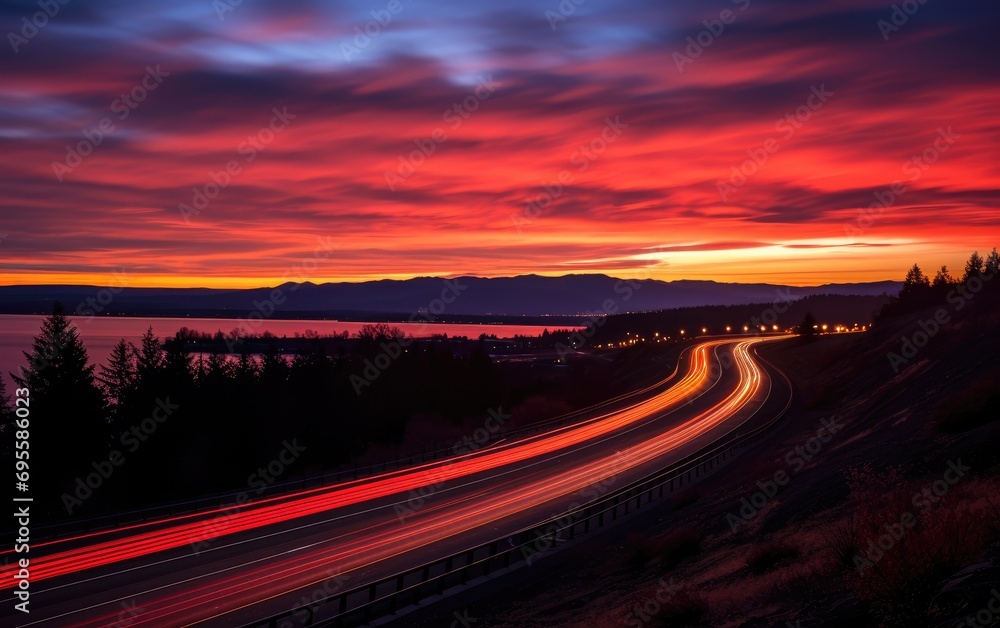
(992, 263)
(149, 358)
(6, 405)
(69, 428)
(7, 417)
(974, 267)
(177, 362)
(273, 367)
(915, 285)
(246, 369)
(808, 325)
(943, 278)
(915, 277)
(119, 377)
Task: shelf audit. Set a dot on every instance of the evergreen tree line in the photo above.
(920, 290)
(171, 425)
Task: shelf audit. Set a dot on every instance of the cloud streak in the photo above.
(652, 195)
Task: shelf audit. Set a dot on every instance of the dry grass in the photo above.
(769, 556)
(895, 566)
(686, 608)
(667, 550)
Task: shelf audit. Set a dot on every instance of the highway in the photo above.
(229, 567)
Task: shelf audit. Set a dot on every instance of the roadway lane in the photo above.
(273, 552)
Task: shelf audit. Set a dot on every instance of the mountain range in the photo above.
(523, 295)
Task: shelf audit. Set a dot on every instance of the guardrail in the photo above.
(384, 597)
(141, 515)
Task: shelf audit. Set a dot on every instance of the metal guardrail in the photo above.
(142, 515)
(384, 597)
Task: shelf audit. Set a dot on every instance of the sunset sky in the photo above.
(642, 126)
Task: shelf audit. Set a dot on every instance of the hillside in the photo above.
(832, 310)
(524, 295)
(914, 468)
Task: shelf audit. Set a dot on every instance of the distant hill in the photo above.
(524, 295)
(828, 309)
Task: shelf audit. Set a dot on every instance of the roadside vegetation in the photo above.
(894, 522)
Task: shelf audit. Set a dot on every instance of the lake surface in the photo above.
(99, 334)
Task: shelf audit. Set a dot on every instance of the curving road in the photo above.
(231, 567)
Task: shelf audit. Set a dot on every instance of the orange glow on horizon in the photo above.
(806, 271)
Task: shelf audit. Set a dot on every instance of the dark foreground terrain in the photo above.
(880, 488)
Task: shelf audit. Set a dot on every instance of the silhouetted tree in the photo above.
(118, 379)
(974, 267)
(149, 358)
(371, 337)
(943, 279)
(5, 400)
(808, 325)
(6, 420)
(992, 262)
(273, 366)
(68, 424)
(915, 282)
(177, 364)
(218, 370)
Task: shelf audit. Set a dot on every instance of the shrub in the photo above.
(684, 498)
(678, 545)
(639, 550)
(897, 582)
(684, 609)
(900, 584)
(976, 405)
(766, 557)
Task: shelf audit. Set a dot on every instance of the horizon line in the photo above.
(440, 277)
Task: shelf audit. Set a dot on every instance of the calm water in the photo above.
(100, 334)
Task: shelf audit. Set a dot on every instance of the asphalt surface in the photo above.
(268, 556)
